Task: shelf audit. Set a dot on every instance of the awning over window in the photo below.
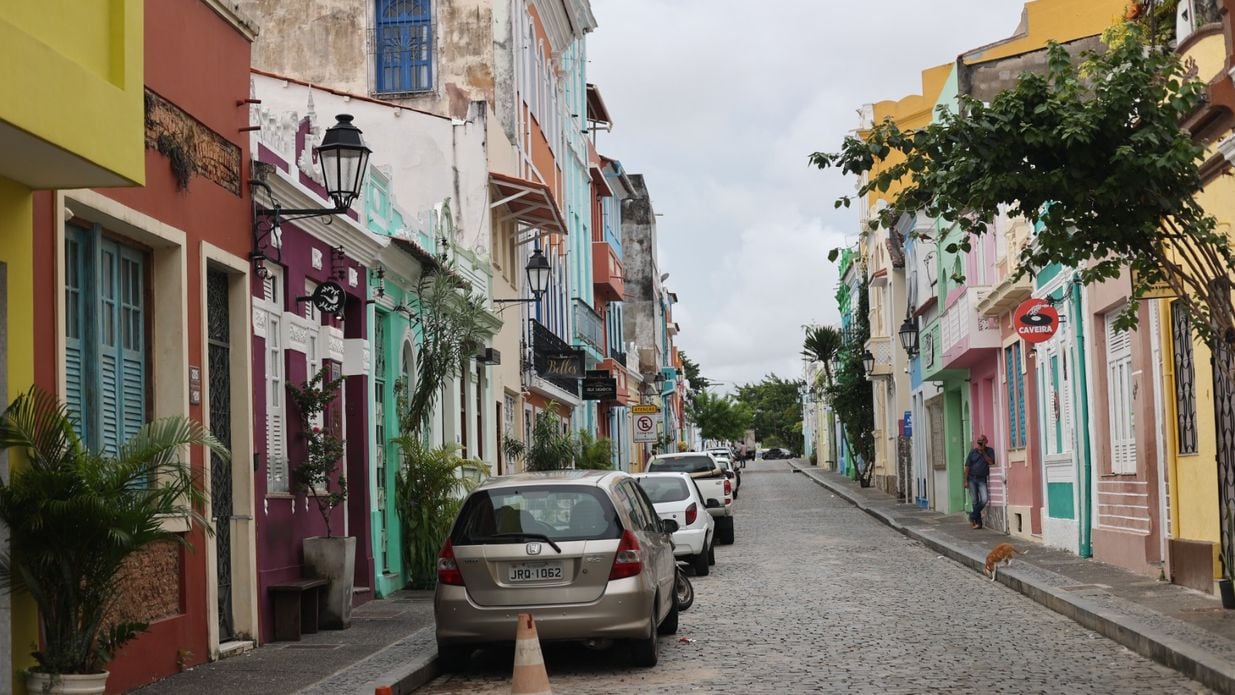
(527, 201)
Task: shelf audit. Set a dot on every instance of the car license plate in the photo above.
(533, 571)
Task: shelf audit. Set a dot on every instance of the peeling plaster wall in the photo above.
(325, 42)
(332, 43)
(642, 280)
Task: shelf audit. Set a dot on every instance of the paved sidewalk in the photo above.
(390, 642)
(1180, 628)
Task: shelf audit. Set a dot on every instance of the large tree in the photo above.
(718, 417)
(776, 409)
(1092, 153)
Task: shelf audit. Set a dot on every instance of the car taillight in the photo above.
(692, 513)
(447, 569)
(728, 488)
(629, 559)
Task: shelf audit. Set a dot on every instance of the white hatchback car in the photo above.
(676, 496)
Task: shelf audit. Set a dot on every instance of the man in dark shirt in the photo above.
(977, 471)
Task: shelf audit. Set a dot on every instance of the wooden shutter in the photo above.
(1119, 397)
(132, 342)
(276, 452)
(107, 319)
(76, 280)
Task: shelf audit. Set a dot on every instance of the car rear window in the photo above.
(560, 512)
(682, 464)
(666, 489)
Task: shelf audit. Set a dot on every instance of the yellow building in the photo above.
(1191, 444)
(70, 117)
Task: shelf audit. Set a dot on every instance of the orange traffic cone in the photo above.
(530, 677)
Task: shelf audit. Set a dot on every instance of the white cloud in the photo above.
(718, 103)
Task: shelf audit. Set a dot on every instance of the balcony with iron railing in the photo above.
(589, 326)
(546, 346)
(965, 335)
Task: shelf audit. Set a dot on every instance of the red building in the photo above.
(148, 315)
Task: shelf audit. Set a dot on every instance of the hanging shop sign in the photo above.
(328, 298)
(565, 364)
(603, 388)
(1035, 320)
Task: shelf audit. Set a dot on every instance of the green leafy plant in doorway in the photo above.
(318, 475)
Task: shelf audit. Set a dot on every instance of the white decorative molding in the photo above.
(355, 357)
(317, 258)
(304, 160)
(296, 330)
(353, 278)
(259, 322)
(332, 338)
(1227, 148)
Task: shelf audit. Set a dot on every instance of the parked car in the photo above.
(729, 465)
(583, 551)
(712, 482)
(677, 497)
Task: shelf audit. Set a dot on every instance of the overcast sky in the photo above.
(718, 103)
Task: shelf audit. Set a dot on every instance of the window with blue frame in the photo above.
(106, 354)
(404, 41)
(1016, 396)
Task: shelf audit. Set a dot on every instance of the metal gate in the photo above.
(219, 361)
(1224, 413)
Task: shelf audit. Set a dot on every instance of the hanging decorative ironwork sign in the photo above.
(328, 298)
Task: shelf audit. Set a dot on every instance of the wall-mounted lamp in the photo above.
(538, 273)
(344, 159)
(909, 336)
(868, 362)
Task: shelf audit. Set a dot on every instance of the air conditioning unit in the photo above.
(490, 356)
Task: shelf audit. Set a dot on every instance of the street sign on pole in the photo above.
(647, 420)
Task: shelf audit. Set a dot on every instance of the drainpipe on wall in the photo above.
(1086, 545)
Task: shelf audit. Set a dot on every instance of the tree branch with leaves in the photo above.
(1091, 153)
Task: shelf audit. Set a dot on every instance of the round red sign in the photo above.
(1035, 320)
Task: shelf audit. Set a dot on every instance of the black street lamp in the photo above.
(868, 362)
(344, 159)
(538, 274)
(909, 336)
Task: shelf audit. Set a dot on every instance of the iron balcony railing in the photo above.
(589, 327)
(544, 345)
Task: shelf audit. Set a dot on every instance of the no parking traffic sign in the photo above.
(646, 417)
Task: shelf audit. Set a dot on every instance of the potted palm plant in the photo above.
(74, 516)
(328, 557)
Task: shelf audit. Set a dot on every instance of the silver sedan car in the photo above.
(583, 551)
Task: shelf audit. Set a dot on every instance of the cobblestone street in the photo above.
(816, 596)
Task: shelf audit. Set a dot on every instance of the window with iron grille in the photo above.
(1185, 387)
(403, 39)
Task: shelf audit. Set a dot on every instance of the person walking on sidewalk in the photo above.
(977, 472)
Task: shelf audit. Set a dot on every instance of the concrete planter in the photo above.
(66, 684)
(333, 559)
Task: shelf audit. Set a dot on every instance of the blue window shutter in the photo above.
(1020, 398)
(107, 320)
(77, 246)
(132, 342)
(1010, 378)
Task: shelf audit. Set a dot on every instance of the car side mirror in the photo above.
(669, 526)
(712, 503)
(730, 474)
